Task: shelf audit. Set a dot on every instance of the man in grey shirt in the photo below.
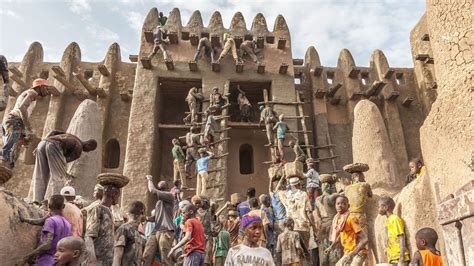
(163, 235)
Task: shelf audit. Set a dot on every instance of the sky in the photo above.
(360, 26)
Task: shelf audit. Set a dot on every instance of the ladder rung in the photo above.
(328, 158)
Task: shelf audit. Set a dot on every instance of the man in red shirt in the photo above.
(194, 240)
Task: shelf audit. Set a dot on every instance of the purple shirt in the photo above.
(60, 228)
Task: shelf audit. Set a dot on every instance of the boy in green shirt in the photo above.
(221, 242)
(178, 163)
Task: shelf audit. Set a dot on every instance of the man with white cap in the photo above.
(299, 209)
(71, 212)
(16, 124)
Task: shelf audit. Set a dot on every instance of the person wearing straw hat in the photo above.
(16, 124)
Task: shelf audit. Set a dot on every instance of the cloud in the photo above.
(102, 33)
(79, 7)
(9, 13)
(135, 19)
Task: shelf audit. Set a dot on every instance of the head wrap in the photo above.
(99, 187)
(248, 219)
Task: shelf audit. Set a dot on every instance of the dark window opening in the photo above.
(173, 106)
(364, 77)
(330, 77)
(112, 154)
(88, 74)
(246, 159)
(44, 74)
(399, 78)
(254, 91)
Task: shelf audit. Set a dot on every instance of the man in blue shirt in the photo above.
(202, 169)
(282, 128)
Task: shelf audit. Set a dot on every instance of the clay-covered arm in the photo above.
(362, 241)
(417, 260)
(151, 186)
(401, 241)
(25, 103)
(33, 221)
(90, 248)
(280, 183)
(181, 243)
(218, 212)
(44, 247)
(118, 254)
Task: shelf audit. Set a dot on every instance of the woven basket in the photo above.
(113, 179)
(356, 167)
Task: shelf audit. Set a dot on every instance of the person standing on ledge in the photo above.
(52, 155)
(17, 129)
(282, 128)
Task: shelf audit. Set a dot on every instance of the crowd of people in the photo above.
(281, 227)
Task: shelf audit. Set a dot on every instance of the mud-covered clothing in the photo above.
(60, 228)
(289, 244)
(128, 237)
(100, 227)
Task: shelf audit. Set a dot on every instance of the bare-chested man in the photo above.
(16, 124)
(245, 106)
(250, 48)
(269, 117)
(323, 215)
(192, 145)
(216, 100)
(52, 155)
(194, 99)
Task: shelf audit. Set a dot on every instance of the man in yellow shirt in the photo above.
(346, 229)
(396, 251)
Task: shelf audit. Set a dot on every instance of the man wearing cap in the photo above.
(16, 124)
(299, 209)
(71, 212)
(312, 182)
(6, 81)
(52, 155)
(202, 169)
(249, 252)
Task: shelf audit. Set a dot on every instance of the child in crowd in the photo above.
(55, 228)
(346, 229)
(69, 251)
(396, 249)
(255, 210)
(232, 226)
(289, 245)
(128, 245)
(427, 254)
(194, 241)
(249, 253)
(221, 242)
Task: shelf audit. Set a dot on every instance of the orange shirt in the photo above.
(74, 216)
(349, 234)
(430, 259)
